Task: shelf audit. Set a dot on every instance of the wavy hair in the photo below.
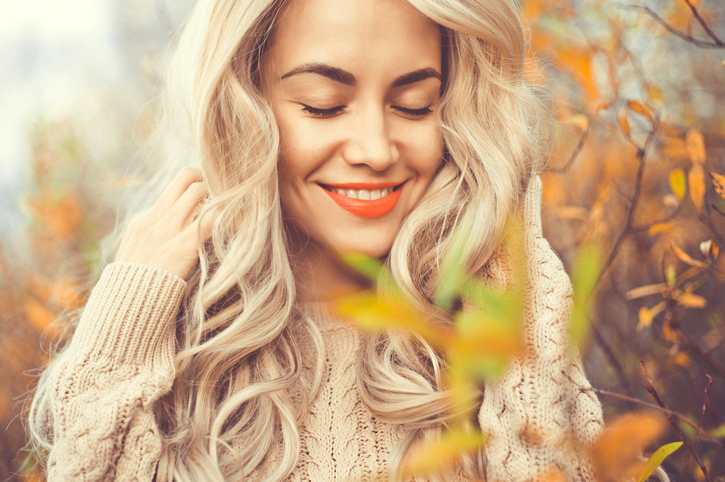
(240, 393)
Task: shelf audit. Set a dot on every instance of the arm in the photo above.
(536, 419)
(120, 361)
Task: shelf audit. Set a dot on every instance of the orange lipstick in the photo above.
(365, 208)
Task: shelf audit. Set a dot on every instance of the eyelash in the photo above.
(336, 110)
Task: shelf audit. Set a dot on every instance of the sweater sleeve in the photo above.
(120, 360)
(536, 420)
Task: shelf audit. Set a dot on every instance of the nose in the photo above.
(369, 142)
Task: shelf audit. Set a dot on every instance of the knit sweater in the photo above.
(121, 360)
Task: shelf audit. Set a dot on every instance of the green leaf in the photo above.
(453, 268)
(656, 460)
(369, 267)
(586, 270)
(719, 432)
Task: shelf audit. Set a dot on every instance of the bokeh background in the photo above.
(639, 91)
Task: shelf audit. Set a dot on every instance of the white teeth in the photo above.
(364, 194)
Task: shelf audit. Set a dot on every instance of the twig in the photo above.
(673, 413)
(717, 210)
(703, 24)
(695, 347)
(651, 389)
(670, 217)
(642, 156)
(704, 407)
(609, 353)
(582, 140)
(687, 38)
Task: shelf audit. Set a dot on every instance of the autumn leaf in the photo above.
(436, 456)
(695, 144)
(678, 183)
(645, 290)
(718, 182)
(647, 315)
(686, 258)
(696, 184)
(690, 300)
(640, 109)
(624, 123)
(658, 228)
(615, 456)
(656, 460)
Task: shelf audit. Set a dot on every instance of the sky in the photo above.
(64, 59)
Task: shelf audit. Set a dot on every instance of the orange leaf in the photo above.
(690, 300)
(658, 228)
(623, 123)
(718, 182)
(686, 258)
(695, 144)
(616, 455)
(647, 315)
(710, 249)
(696, 183)
(640, 109)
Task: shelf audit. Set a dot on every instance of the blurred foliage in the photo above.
(639, 171)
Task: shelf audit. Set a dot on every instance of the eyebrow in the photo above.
(346, 78)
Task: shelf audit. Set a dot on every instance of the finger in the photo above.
(176, 189)
(183, 209)
(201, 228)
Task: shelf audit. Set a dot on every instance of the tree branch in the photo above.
(651, 389)
(716, 44)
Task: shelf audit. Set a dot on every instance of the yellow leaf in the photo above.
(647, 315)
(580, 121)
(640, 109)
(678, 183)
(695, 143)
(657, 459)
(690, 300)
(435, 456)
(718, 182)
(686, 258)
(623, 123)
(645, 290)
(615, 456)
(682, 359)
(660, 228)
(696, 183)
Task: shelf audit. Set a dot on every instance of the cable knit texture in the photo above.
(120, 362)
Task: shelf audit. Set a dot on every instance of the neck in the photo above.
(319, 273)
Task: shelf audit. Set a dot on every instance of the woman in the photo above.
(206, 351)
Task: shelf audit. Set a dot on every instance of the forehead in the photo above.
(354, 34)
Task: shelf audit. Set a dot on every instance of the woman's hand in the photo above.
(166, 236)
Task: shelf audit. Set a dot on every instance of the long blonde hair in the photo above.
(239, 359)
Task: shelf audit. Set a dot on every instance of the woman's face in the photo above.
(354, 85)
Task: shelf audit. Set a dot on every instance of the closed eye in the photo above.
(414, 112)
(323, 112)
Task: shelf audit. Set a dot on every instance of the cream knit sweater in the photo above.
(121, 360)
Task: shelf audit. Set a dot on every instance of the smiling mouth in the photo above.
(365, 203)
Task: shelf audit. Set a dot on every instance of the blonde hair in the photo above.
(239, 359)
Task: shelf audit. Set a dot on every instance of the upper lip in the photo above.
(362, 185)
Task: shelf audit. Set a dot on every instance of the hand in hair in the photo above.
(168, 235)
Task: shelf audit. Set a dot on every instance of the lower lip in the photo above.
(367, 209)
